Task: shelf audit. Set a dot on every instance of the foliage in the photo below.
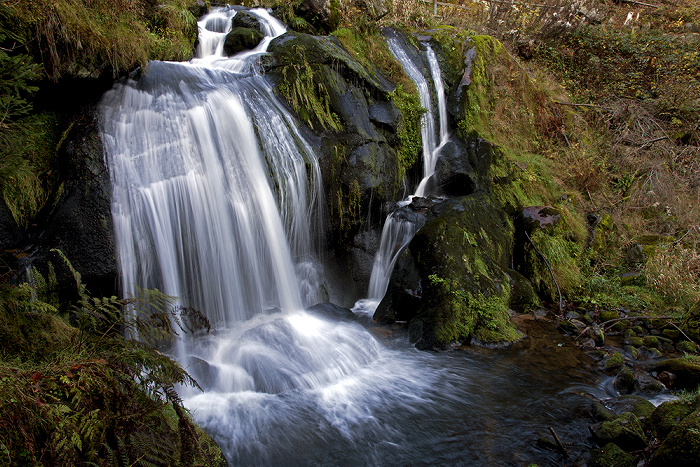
(83, 37)
(307, 95)
(674, 273)
(91, 395)
(409, 129)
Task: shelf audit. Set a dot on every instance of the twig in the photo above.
(653, 141)
(562, 448)
(561, 306)
(577, 105)
(640, 3)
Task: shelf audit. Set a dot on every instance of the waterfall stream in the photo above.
(216, 201)
(398, 232)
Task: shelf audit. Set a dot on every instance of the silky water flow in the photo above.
(216, 200)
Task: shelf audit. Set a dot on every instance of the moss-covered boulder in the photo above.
(355, 120)
(625, 430)
(687, 373)
(611, 455)
(243, 19)
(669, 415)
(681, 448)
(452, 277)
(240, 39)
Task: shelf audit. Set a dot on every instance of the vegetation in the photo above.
(75, 390)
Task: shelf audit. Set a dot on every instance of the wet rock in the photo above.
(588, 344)
(625, 430)
(667, 378)
(333, 311)
(637, 405)
(687, 374)
(240, 39)
(681, 446)
(460, 259)
(463, 169)
(647, 385)
(323, 15)
(624, 381)
(597, 334)
(632, 351)
(80, 225)
(611, 455)
(243, 19)
(600, 412)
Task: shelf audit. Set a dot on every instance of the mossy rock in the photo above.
(651, 342)
(240, 39)
(601, 233)
(669, 415)
(614, 362)
(687, 373)
(681, 447)
(687, 347)
(459, 260)
(625, 430)
(634, 341)
(624, 381)
(604, 315)
(673, 334)
(611, 455)
(243, 19)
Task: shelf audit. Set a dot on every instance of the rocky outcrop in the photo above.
(80, 224)
(451, 283)
(240, 39)
(351, 123)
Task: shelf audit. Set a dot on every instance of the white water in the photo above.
(397, 232)
(216, 201)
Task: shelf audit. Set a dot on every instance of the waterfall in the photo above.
(397, 231)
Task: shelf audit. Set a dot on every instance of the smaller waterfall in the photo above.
(398, 231)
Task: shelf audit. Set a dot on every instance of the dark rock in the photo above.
(600, 412)
(673, 334)
(611, 455)
(667, 378)
(10, 233)
(624, 381)
(243, 19)
(681, 446)
(333, 311)
(464, 169)
(651, 342)
(635, 255)
(80, 225)
(647, 385)
(320, 16)
(538, 217)
(240, 39)
(687, 374)
(625, 430)
(523, 297)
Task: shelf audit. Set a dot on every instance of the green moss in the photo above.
(307, 95)
(409, 129)
(79, 37)
(611, 455)
(614, 362)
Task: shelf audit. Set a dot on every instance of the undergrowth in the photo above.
(75, 390)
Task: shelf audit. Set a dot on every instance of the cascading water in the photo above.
(216, 200)
(397, 231)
